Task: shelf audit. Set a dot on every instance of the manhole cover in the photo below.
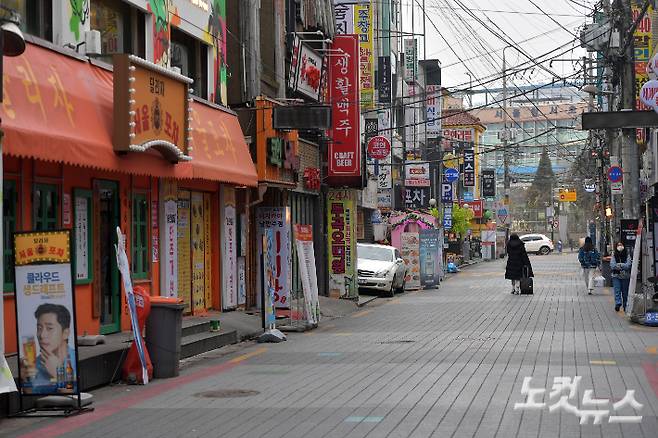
(401, 341)
(227, 393)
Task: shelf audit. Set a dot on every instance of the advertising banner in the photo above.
(469, 168)
(344, 15)
(308, 76)
(344, 154)
(229, 250)
(45, 314)
(124, 267)
(431, 263)
(307, 272)
(169, 239)
(433, 110)
(447, 218)
(269, 274)
(277, 219)
(242, 281)
(363, 27)
(417, 197)
(410, 60)
(341, 233)
(411, 254)
(477, 206)
(489, 183)
(384, 79)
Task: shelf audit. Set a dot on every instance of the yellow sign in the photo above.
(450, 161)
(150, 108)
(363, 27)
(567, 195)
(38, 247)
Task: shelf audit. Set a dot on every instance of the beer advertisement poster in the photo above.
(47, 354)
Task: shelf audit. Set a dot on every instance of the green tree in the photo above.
(461, 219)
(540, 192)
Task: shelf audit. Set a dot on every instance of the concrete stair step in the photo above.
(197, 343)
(192, 326)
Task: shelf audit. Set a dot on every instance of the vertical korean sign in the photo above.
(229, 253)
(433, 110)
(410, 60)
(277, 219)
(469, 168)
(642, 44)
(308, 274)
(363, 27)
(345, 150)
(341, 232)
(45, 313)
(169, 235)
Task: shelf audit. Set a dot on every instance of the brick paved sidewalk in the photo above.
(446, 362)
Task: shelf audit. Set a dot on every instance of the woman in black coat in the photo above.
(517, 259)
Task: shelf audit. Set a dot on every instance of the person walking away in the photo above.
(589, 259)
(517, 261)
(620, 264)
(559, 246)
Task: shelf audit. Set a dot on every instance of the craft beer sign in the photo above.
(151, 109)
(345, 149)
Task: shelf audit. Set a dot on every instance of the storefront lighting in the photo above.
(131, 79)
(131, 90)
(132, 68)
(132, 113)
(132, 124)
(131, 101)
(608, 212)
(190, 90)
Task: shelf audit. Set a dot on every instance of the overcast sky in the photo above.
(538, 26)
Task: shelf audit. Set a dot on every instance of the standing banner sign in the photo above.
(269, 258)
(229, 253)
(410, 252)
(308, 274)
(344, 153)
(634, 270)
(341, 233)
(45, 314)
(431, 263)
(277, 219)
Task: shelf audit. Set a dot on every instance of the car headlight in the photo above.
(382, 274)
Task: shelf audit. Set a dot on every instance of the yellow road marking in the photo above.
(652, 350)
(246, 356)
(603, 362)
(360, 314)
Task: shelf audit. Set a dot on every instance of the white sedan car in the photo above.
(537, 243)
(381, 268)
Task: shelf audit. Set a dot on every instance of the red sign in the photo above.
(379, 147)
(477, 206)
(344, 153)
(312, 178)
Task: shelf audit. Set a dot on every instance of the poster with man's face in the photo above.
(46, 335)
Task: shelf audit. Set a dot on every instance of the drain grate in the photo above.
(399, 341)
(227, 393)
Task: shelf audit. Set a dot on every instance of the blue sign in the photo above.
(468, 196)
(447, 218)
(615, 174)
(451, 175)
(446, 193)
(651, 318)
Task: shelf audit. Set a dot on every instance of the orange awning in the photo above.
(58, 108)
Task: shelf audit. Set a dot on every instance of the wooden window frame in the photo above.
(144, 272)
(45, 187)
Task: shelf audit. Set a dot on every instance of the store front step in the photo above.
(193, 325)
(198, 343)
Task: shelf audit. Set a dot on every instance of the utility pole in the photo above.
(506, 177)
(629, 147)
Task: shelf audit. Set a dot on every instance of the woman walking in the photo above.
(517, 261)
(621, 263)
(589, 259)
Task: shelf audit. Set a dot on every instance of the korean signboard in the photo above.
(384, 79)
(169, 238)
(344, 15)
(345, 149)
(341, 233)
(277, 219)
(417, 171)
(45, 314)
(477, 206)
(410, 60)
(469, 168)
(433, 110)
(416, 197)
(451, 138)
(489, 183)
(150, 108)
(308, 73)
(363, 27)
(447, 217)
(229, 250)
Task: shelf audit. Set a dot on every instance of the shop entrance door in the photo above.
(107, 194)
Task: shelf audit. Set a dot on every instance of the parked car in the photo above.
(537, 243)
(380, 268)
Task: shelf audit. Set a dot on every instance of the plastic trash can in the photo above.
(163, 334)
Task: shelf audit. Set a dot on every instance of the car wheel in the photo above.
(391, 292)
(544, 250)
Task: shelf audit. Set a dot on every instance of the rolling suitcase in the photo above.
(526, 283)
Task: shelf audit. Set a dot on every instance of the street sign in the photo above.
(615, 174)
(567, 195)
(468, 196)
(379, 147)
(417, 182)
(617, 188)
(446, 193)
(451, 175)
(590, 187)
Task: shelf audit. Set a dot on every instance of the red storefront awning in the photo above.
(58, 108)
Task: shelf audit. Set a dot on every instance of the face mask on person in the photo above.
(620, 248)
